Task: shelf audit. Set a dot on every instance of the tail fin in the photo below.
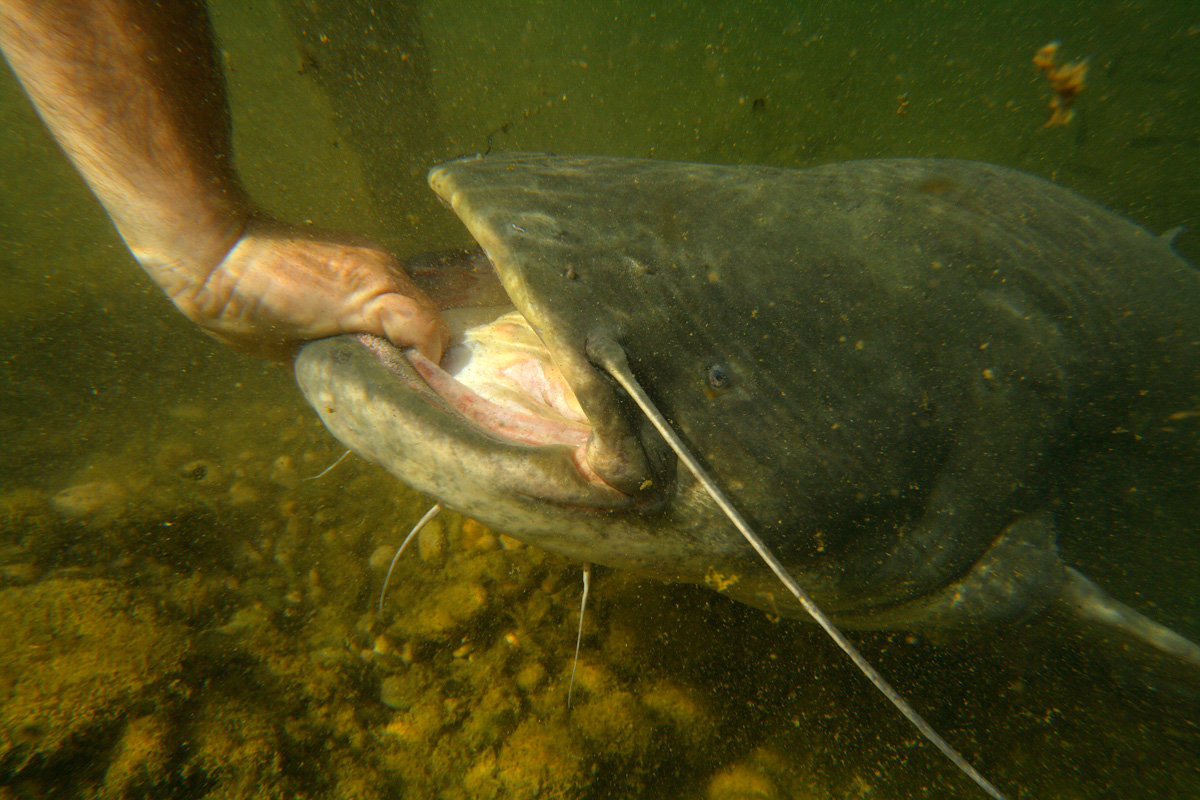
(1153, 646)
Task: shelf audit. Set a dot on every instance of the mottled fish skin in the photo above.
(911, 354)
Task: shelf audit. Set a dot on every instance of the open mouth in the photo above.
(499, 377)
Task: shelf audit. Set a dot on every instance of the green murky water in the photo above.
(185, 616)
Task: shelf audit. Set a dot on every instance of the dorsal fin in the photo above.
(1170, 236)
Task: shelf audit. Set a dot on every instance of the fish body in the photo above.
(891, 367)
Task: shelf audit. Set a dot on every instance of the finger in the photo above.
(407, 322)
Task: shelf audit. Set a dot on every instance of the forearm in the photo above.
(132, 92)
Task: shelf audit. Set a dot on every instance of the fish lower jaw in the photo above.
(532, 424)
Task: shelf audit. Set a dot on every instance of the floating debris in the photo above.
(1067, 81)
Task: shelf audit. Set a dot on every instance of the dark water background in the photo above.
(204, 627)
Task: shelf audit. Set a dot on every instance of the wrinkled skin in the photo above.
(280, 286)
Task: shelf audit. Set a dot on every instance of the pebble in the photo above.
(201, 471)
(741, 782)
(431, 542)
(381, 558)
(476, 537)
(189, 412)
(243, 494)
(530, 677)
(89, 499)
(283, 473)
(391, 693)
(18, 573)
(247, 619)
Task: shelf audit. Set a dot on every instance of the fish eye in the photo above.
(718, 377)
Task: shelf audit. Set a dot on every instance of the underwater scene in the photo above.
(191, 564)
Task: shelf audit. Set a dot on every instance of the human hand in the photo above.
(281, 285)
(133, 93)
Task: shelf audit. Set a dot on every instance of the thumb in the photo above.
(407, 322)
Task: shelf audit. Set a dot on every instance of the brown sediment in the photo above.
(74, 655)
(1067, 81)
(196, 644)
